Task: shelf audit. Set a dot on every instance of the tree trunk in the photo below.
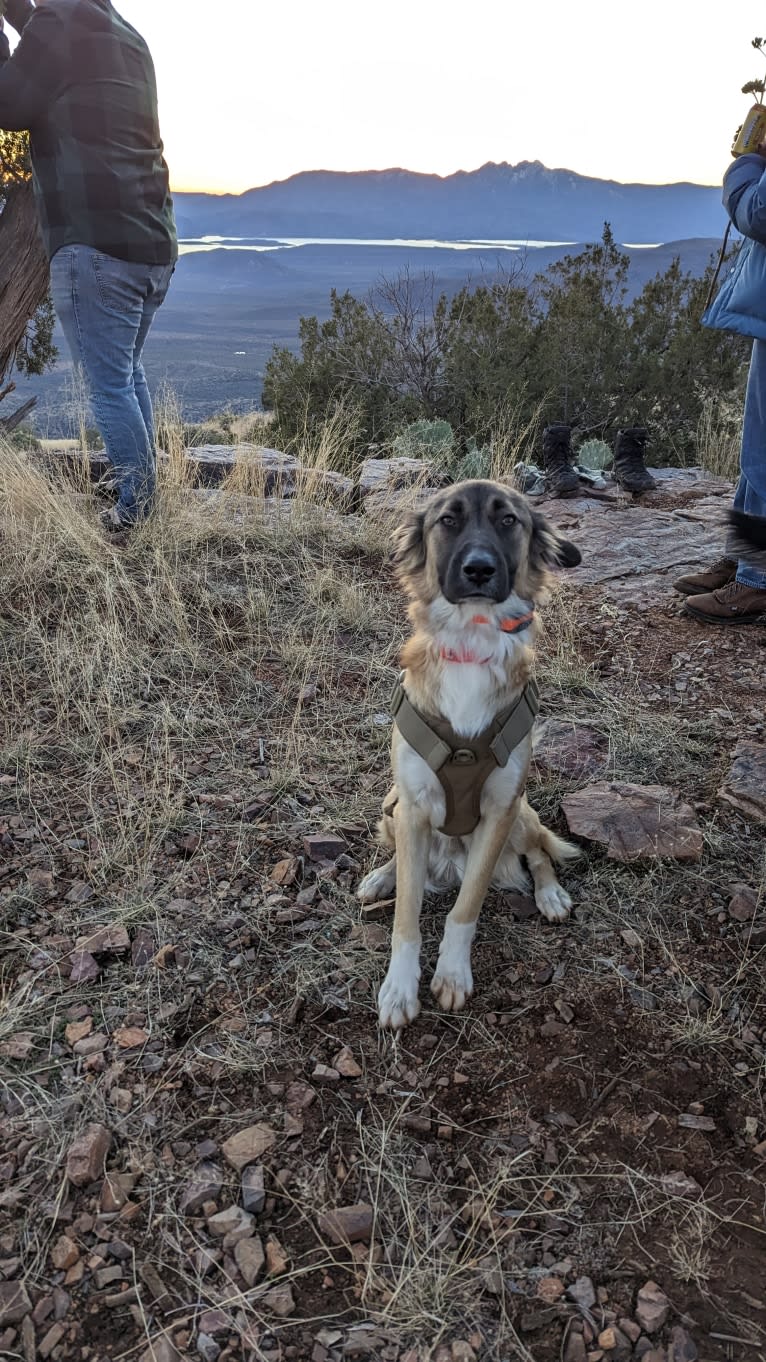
(24, 274)
(15, 419)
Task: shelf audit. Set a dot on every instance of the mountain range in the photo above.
(227, 308)
(497, 202)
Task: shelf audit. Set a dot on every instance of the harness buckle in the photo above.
(464, 757)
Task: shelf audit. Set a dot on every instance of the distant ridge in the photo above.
(522, 202)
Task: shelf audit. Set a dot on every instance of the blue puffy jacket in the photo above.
(741, 303)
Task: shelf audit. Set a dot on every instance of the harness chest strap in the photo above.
(463, 766)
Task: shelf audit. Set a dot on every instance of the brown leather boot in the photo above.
(732, 604)
(719, 574)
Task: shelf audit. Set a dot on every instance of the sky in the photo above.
(251, 93)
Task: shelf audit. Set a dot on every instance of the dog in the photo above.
(474, 563)
(748, 538)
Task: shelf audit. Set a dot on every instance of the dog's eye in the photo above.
(449, 521)
(509, 520)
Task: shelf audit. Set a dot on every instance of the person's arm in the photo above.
(30, 78)
(744, 196)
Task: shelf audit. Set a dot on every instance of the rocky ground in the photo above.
(207, 1149)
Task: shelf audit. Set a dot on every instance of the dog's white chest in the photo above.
(468, 697)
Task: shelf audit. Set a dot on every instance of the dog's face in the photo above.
(478, 540)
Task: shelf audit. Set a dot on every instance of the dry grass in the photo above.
(176, 713)
(719, 437)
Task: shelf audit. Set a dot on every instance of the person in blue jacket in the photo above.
(731, 592)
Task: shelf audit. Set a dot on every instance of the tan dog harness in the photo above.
(464, 767)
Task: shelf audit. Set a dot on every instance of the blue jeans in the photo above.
(751, 489)
(106, 307)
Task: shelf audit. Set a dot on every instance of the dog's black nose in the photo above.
(479, 568)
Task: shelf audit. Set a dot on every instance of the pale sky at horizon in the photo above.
(647, 92)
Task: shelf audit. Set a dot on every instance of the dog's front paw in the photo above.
(379, 884)
(554, 903)
(452, 984)
(398, 1003)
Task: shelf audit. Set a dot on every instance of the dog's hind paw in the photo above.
(379, 884)
(554, 903)
(398, 1003)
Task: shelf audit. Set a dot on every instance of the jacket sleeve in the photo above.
(744, 196)
(32, 77)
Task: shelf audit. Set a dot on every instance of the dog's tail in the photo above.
(748, 538)
(555, 847)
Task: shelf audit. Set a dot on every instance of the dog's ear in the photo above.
(408, 552)
(549, 547)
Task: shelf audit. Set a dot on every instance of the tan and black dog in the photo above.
(474, 565)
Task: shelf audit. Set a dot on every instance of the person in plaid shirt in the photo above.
(82, 82)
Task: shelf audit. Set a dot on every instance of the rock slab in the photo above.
(86, 1158)
(745, 785)
(248, 1146)
(634, 822)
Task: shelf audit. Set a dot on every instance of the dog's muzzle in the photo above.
(478, 572)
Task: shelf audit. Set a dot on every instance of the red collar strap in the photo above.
(515, 625)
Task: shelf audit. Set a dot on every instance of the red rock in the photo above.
(550, 1289)
(19, 1046)
(299, 1097)
(52, 1339)
(280, 1300)
(87, 1155)
(142, 948)
(348, 1224)
(745, 785)
(161, 1349)
(64, 1254)
(205, 1185)
(78, 1031)
(345, 1064)
(323, 1074)
(130, 1037)
(85, 969)
(634, 822)
(321, 847)
(231, 1225)
(109, 940)
(743, 904)
(286, 871)
(250, 1259)
(214, 1323)
(248, 1146)
(571, 750)
(115, 1191)
(91, 1045)
(652, 1307)
(277, 1261)
(14, 1302)
(80, 892)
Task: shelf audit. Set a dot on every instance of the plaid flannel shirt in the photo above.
(82, 82)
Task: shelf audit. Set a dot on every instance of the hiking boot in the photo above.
(629, 461)
(719, 574)
(560, 476)
(732, 604)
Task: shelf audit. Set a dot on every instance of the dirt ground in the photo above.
(573, 1168)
